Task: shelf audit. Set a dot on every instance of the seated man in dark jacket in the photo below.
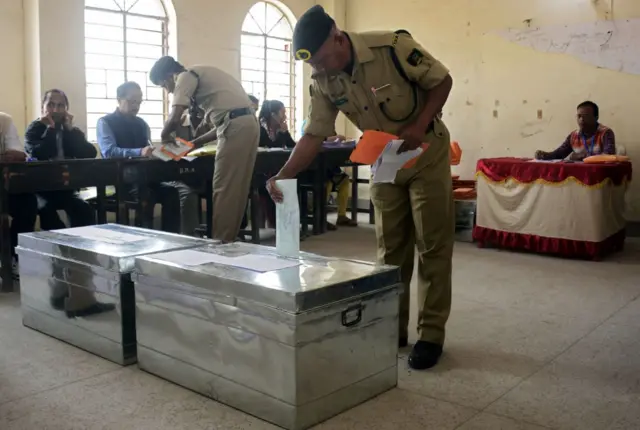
(53, 137)
(124, 134)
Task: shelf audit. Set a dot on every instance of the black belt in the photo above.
(236, 113)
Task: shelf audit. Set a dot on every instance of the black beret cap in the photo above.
(311, 31)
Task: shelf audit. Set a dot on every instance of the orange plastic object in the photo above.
(456, 153)
(371, 145)
(606, 158)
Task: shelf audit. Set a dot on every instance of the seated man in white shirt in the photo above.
(23, 208)
(124, 134)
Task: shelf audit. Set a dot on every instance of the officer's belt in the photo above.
(235, 113)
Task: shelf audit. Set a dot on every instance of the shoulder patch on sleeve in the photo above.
(415, 57)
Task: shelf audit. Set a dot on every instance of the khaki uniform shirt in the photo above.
(9, 139)
(375, 91)
(216, 92)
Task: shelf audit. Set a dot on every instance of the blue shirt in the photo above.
(107, 143)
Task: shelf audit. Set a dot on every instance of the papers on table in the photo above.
(288, 219)
(173, 151)
(254, 262)
(209, 149)
(101, 235)
(545, 161)
(385, 168)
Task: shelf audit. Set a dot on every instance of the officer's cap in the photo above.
(311, 31)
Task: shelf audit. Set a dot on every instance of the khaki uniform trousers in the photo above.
(235, 159)
(417, 211)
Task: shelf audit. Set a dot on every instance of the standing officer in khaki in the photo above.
(386, 81)
(227, 106)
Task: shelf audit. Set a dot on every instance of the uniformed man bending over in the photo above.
(386, 81)
(226, 106)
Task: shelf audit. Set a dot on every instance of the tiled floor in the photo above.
(533, 343)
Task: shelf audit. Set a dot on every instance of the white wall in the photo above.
(46, 48)
(500, 86)
(12, 72)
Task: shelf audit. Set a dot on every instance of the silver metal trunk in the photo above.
(293, 346)
(63, 275)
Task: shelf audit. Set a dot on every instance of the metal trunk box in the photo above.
(292, 345)
(75, 284)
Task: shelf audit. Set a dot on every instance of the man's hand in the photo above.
(48, 121)
(68, 121)
(412, 135)
(274, 191)
(147, 151)
(540, 155)
(13, 156)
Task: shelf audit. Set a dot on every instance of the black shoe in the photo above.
(94, 309)
(403, 342)
(424, 355)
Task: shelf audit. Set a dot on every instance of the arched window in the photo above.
(123, 39)
(267, 68)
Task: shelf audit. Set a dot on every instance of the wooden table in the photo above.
(568, 209)
(268, 163)
(39, 176)
(144, 171)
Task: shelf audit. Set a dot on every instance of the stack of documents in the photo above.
(167, 151)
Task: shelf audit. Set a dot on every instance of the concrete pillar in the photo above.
(54, 55)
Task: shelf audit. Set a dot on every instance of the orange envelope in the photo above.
(371, 145)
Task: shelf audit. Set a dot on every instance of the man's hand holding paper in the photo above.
(392, 159)
(372, 144)
(412, 136)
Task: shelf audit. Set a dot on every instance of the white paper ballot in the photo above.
(254, 262)
(545, 161)
(288, 219)
(389, 162)
(101, 235)
(157, 153)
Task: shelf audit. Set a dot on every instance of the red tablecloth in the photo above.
(568, 209)
(526, 171)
